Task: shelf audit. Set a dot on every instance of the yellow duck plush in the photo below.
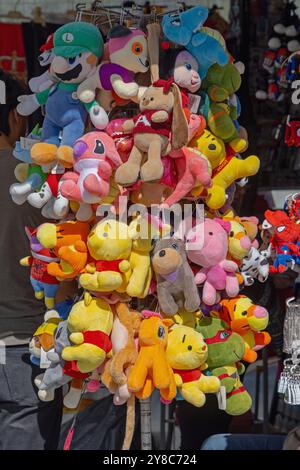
(227, 168)
(186, 354)
(89, 323)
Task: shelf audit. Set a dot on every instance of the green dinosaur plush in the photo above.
(225, 350)
(221, 84)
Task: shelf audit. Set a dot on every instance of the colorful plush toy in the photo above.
(42, 340)
(89, 323)
(95, 158)
(207, 246)
(44, 285)
(254, 266)
(239, 244)
(77, 47)
(40, 83)
(176, 288)
(225, 350)
(205, 44)
(67, 240)
(186, 354)
(151, 369)
(128, 55)
(221, 83)
(284, 240)
(160, 126)
(249, 321)
(227, 168)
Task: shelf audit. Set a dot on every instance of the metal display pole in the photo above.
(146, 440)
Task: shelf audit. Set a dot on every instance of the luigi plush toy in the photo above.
(77, 48)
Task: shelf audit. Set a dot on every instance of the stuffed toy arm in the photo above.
(90, 268)
(128, 125)
(124, 266)
(122, 89)
(240, 368)
(28, 104)
(225, 380)
(200, 277)
(178, 380)
(160, 116)
(229, 266)
(192, 299)
(166, 300)
(218, 94)
(97, 114)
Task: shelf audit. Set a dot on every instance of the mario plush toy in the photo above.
(77, 48)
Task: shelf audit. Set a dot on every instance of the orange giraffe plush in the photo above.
(151, 369)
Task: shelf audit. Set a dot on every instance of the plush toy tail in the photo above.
(130, 423)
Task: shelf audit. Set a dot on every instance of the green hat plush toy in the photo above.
(225, 350)
(74, 38)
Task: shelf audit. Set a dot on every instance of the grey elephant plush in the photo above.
(176, 287)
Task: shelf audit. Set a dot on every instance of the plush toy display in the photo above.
(176, 288)
(77, 46)
(160, 126)
(207, 246)
(136, 171)
(151, 369)
(225, 350)
(205, 44)
(128, 55)
(248, 320)
(186, 354)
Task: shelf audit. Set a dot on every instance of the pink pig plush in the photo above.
(207, 246)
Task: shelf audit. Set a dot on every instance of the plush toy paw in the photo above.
(19, 192)
(98, 117)
(150, 172)
(43, 153)
(46, 395)
(65, 156)
(191, 305)
(127, 174)
(72, 398)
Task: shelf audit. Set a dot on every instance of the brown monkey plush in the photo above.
(160, 126)
(176, 287)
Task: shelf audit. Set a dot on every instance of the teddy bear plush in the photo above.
(187, 354)
(249, 321)
(176, 287)
(205, 44)
(226, 167)
(127, 55)
(67, 240)
(221, 83)
(89, 323)
(160, 126)
(151, 369)
(225, 349)
(207, 246)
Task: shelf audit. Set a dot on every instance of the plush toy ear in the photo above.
(114, 157)
(154, 31)
(168, 322)
(224, 224)
(180, 133)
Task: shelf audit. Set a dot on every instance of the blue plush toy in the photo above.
(205, 44)
(77, 48)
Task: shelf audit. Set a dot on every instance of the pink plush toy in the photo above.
(207, 246)
(95, 157)
(192, 168)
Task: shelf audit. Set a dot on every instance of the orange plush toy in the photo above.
(151, 369)
(68, 241)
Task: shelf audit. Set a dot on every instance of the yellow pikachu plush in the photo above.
(89, 323)
(186, 354)
(227, 168)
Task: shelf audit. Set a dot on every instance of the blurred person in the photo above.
(25, 421)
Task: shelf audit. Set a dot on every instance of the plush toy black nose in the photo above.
(146, 63)
(212, 147)
(161, 253)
